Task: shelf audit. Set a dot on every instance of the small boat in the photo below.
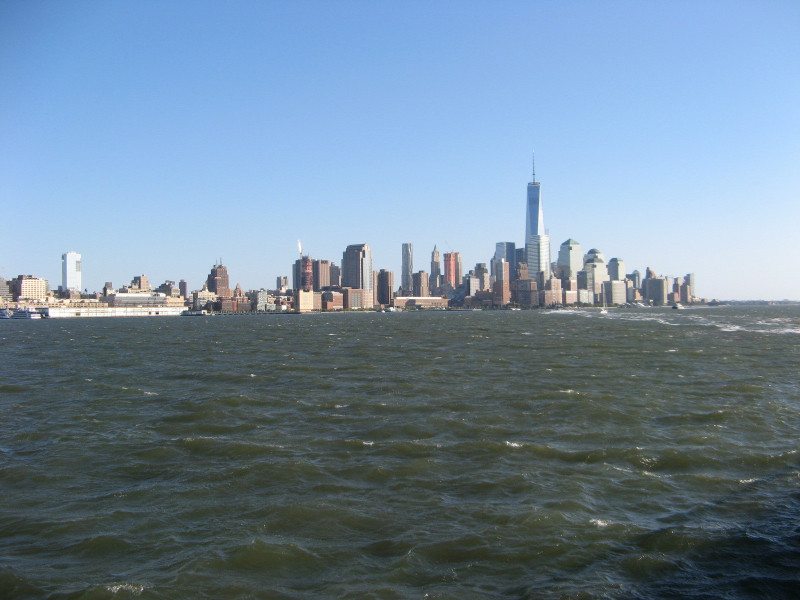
(678, 306)
(26, 313)
(5, 314)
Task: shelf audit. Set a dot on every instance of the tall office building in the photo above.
(357, 269)
(616, 269)
(217, 281)
(570, 260)
(408, 267)
(452, 268)
(71, 272)
(537, 240)
(435, 278)
(507, 251)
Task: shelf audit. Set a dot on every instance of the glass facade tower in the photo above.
(71, 272)
(537, 241)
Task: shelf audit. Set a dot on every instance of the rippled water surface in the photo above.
(645, 453)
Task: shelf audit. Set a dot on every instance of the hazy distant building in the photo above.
(282, 283)
(71, 272)
(614, 292)
(655, 290)
(6, 293)
(183, 287)
(616, 269)
(407, 269)
(593, 253)
(335, 275)
(357, 271)
(435, 278)
(691, 281)
(140, 283)
(596, 274)
(483, 276)
(635, 278)
(452, 268)
(570, 259)
(537, 240)
(169, 289)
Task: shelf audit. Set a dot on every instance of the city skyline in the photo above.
(153, 139)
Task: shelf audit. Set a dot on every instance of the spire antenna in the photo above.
(534, 166)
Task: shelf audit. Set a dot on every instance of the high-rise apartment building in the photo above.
(321, 274)
(452, 268)
(407, 267)
(71, 272)
(336, 275)
(501, 289)
(385, 287)
(483, 276)
(28, 287)
(357, 269)
(420, 284)
(537, 240)
(570, 259)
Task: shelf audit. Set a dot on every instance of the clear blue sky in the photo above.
(157, 137)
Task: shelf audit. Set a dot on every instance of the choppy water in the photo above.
(534, 454)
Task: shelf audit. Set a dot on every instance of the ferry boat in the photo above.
(5, 314)
(26, 313)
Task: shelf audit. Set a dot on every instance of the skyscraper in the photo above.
(420, 284)
(385, 287)
(507, 251)
(408, 267)
(570, 260)
(537, 241)
(435, 279)
(217, 281)
(357, 269)
(321, 274)
(452, 268)
(616, 269)
(71, 272)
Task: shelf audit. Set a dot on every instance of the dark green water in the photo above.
(645, 453)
